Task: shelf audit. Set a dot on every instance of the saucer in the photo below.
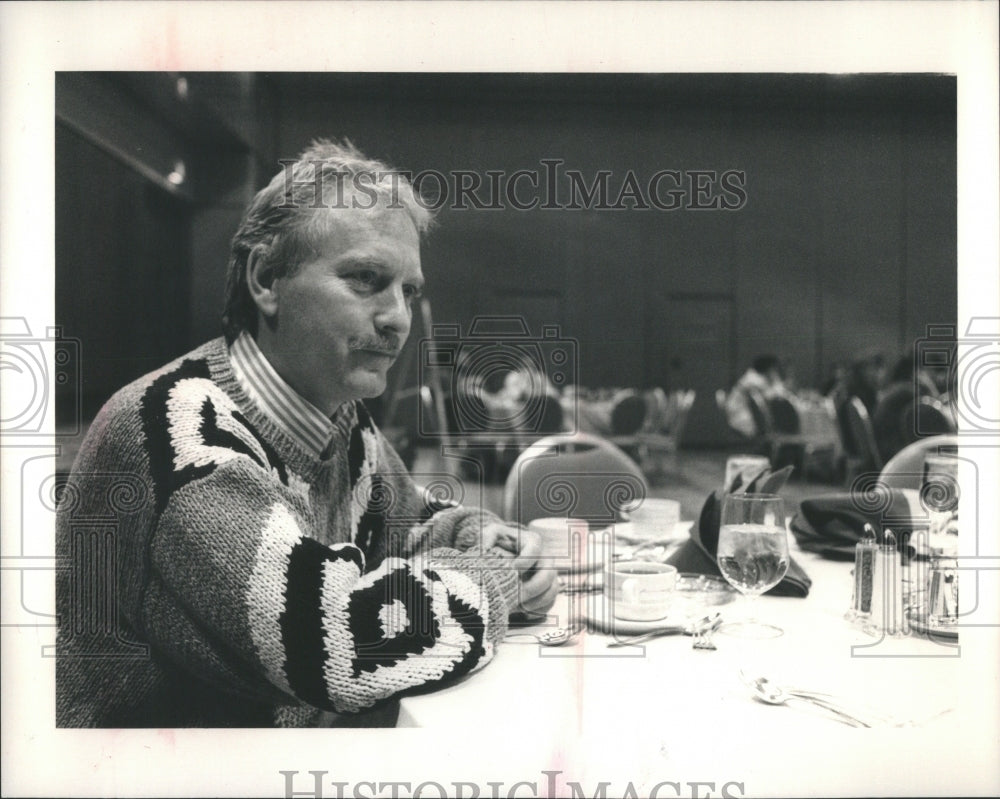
(922, 625)
(695, 596)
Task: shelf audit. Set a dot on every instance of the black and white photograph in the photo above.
(491, 400)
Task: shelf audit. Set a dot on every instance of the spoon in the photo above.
(555, 637)
(772, 694)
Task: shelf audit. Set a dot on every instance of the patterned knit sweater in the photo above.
(215, 573)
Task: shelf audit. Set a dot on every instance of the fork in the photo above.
(703, 635)
(709, 623)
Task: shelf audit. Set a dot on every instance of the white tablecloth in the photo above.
(667, 714)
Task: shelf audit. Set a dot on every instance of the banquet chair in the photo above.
(926, 417)
(860, 447)
(661, 434)
(629, 414)
(780, 429)
(906, 468)
(577, 475)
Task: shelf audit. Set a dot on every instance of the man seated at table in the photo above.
(285, 568)
(766, 378)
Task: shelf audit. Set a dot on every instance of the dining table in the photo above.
(663, 718)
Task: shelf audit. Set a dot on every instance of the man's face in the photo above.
(343, 316)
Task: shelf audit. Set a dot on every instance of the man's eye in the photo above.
(413, 292)
(367, 278)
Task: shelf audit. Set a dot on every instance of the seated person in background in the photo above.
(865, 379)
(285, 568)
(766, 377)
(905, 386)
(836, 384)
(620, 413)
(517, 395)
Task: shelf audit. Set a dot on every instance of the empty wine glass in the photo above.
(752, 554)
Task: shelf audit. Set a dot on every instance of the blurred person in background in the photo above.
(766, 379)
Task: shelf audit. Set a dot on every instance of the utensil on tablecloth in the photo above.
(709, 622)
(702, 638)
(773, 694)
(863, 715)
(558, 636)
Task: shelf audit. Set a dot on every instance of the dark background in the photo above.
(846, 244)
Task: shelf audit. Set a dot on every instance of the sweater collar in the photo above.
(300, 419)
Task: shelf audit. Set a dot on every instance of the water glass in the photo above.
(753, 554)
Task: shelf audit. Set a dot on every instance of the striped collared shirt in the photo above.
(303, 421)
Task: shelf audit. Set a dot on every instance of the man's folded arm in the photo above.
(240, 586)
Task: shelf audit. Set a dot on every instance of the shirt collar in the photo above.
(298, 417)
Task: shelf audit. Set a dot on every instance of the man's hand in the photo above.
(539, 586)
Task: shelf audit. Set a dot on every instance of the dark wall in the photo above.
(846, 242)
(153, 171)
(123, 246)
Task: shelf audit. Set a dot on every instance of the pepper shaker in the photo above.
(864, 569)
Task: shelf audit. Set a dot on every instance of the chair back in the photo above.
(579, 476)
(906, 468)
(685, 399)
(927, 417)
(551, 417)
(862, 436)
(628, 413)
(784, 416)
(760, 412)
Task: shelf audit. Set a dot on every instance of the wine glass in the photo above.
(752, 554)
(939, 491)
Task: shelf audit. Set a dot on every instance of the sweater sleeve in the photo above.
(242, 594)
(440, 519)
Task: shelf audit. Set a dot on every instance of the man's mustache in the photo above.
(389, 345)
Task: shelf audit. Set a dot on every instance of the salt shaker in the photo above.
(942, 587)
(887, 589)
(864, 569)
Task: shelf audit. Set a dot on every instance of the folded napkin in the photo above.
(832, 525)
(697, 555)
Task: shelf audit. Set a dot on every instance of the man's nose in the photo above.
(394, 312)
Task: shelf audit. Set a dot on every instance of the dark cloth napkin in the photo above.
(832, 525)
(698, 553)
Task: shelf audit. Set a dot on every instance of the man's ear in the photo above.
(261, 283)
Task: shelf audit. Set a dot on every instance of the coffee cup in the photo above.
(656, 518)
(640, 590)
(561, 539)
